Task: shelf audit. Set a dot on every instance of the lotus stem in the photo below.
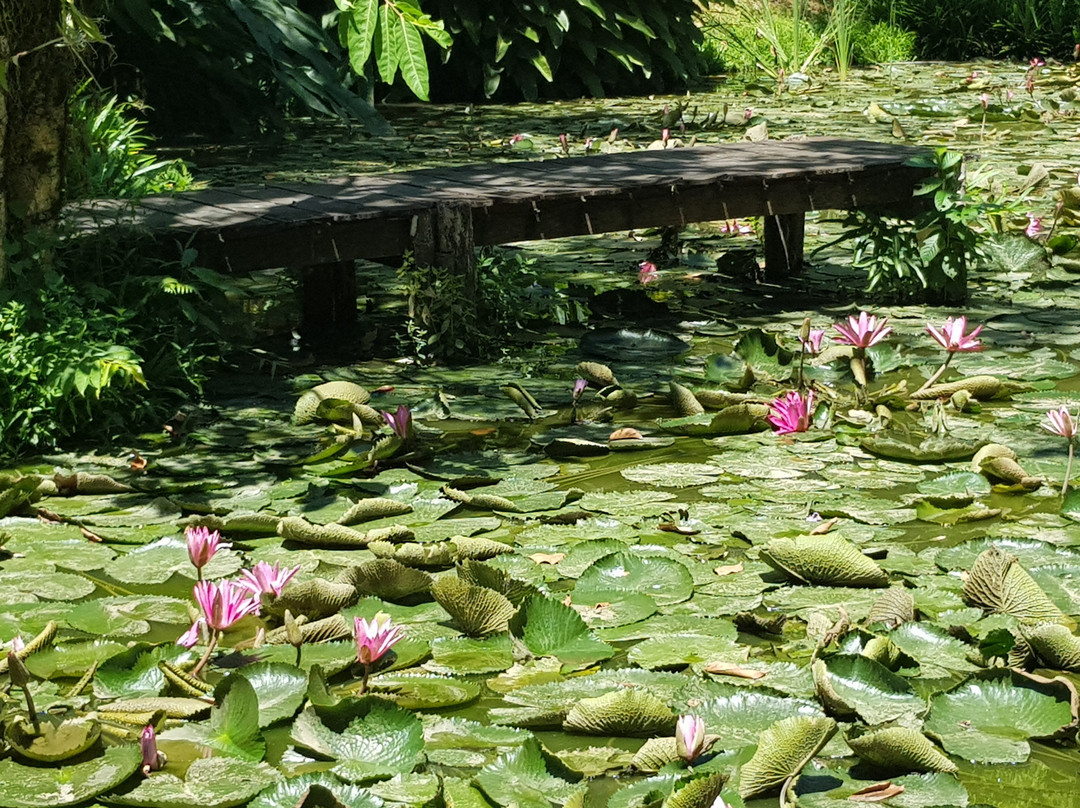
(1068, 471)
(206, 657)
(937, 373)
(364, 681)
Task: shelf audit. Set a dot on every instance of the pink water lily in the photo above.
(202, 544)
(812, 344)
(374, 639)
(400, 422)
(580, 386)
(263, 578)
(647, 272)
(792, 412)
(191, 637)
(952, 338)
(862, 331)
(1061, 422)
(690, 737)
(1034, 226)
(224, 603)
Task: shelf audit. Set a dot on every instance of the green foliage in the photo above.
(755, 36)
(231, 67)
(927, 256)
(963, 29)
(92, 347)
(532, 48)
(881, 43)
(107, 154)
(443, 323)
(388, 32)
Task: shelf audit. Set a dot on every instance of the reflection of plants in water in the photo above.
(444, 323)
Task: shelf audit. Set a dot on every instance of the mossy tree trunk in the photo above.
(33, 118)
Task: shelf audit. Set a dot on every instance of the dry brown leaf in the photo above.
(625, 433)
(729, 669)
(675, 527)
(90, 536)
(483, 432)
(825, 526)
(547, 558)
(730, 569)
(878, 792)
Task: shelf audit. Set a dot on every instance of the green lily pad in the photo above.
(407, 789)
(739, 715)
(419, 691)
(158, 561)
(990, 716)
(520, 778)
(381, 741)
(466, 655)
(680, 650)
(933, 790)
(932, 647)
(288, 793)
(663, 580)
(279, 687)
(135, 672)
(553, 629)
(35, 787)
(233, 728)
(217, 782)
(54, 740)
(673, 475)
(853, 684)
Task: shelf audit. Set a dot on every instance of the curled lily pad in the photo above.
(783, 749)
(480, 574)
(620, 712)
(520, 778)
(307, 406)
(553, 629)
(900, 749)
(314, 598)
(852, 684)
(387, 579)
(476, 610)
(998, 583)
(424, 691)
(827, 560)
(1054, 644)
(933, 449)
(895, 606)
(701, 792)
(365, 510)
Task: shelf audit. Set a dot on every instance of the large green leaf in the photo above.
(682, 649)
(990, 716)
(851, 683)
(384, 740)
(357, 30)
(663, 580)
(36, 787)
(553, 629)
(740, 715)
(158, 561)
(468, 655)
(233, 728)
(289, 793)
(519, 778)
(217, 782)
(932, 647)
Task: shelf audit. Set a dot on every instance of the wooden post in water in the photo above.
(784, 244)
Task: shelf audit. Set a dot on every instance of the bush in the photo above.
(92, 347)
(753, 36)
(566, 48)
(107, 154)
(882, 43)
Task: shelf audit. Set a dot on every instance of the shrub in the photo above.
(882, 43)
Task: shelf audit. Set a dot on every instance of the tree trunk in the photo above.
(33, 137)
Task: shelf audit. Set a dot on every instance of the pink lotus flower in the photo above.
(192, 636)
(224, 602)
(952, 338)
(647, 272)
(1034, 226)
(984, 99)
(400, 422)
(580, 386)
(690, 737)
(202, 544)
(792, 412)
(517, 138)
(152, 759)
(812, 344)
(374, 639)
(1062, 423)
(862, 331)
(264, 578)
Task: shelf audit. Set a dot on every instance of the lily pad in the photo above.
(850, 684)
(663, 580)
(217, 782)
(552, 629)
(36, 787)
(520, 778)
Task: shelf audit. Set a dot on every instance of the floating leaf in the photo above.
(663, 580)
(998, 583)
(217, 782)
(849, 684)
(476, 610)
(827, 560)
(552, 629)
(280, 689)
(38, 787)
(519, 778)
(900, 749)
(620, 712)
(782, 751)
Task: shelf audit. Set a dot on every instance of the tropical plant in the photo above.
(531, 48)
(387, 33)
(107, 151)
(231, 67)
(883, 42)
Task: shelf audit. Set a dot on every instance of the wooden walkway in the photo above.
(442, 214)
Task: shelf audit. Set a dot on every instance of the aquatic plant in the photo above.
(647, 272)
(952, 338)
(792, 412)
(1061, 422)
(222, 603)
(202, 545)
(861, 333)
(264, 579)
(152, 759)
(373, 640)
(690, 737)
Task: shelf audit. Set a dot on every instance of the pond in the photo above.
(573, 567)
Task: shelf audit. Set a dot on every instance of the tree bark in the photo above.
(33, 138)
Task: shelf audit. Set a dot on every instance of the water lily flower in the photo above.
(1061, 422)
(202, 544)
(812, 344)
(647, 272)
(580, 385)
(400, 422)
(1037, 62)
(665, 136)
(1034, 226)
(952, 338)
(263, 578)
(152, 759)
(518, 138)
(690, 737)
(374, 639)
(862, 331)
(984, 99)
(224, 603)
(192, 636)
(792, 412)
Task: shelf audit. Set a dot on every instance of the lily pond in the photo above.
(510, 588)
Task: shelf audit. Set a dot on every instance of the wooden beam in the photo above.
(784, 244)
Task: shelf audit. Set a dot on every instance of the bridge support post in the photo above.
(784, 244)
(328, 316)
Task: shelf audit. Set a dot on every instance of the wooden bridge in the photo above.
(442, 214)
